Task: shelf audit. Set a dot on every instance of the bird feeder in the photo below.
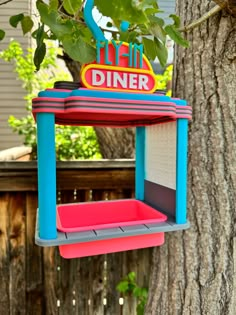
(117, 90)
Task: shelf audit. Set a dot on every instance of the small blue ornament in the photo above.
(124, 25)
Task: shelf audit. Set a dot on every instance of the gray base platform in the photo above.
(103, 234)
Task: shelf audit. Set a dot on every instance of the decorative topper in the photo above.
(119, 67)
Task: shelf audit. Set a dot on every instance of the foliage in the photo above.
(26, 127)
(129, 287)
(25, 69)
(71, 142)
(76, 143)
(64, 20)
(164, 79)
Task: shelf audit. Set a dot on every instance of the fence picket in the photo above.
(17, 264)
(4, 254)
(34, 264)
(52, 303)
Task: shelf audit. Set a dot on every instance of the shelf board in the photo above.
(110, 233)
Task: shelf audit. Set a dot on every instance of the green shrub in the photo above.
(163, 79)
(71, 142)
(76, 143)
(129, 287)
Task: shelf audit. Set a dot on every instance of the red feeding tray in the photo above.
(105, 214)
(111, 245)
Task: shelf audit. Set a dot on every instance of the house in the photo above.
(168, 7)
(11, 90)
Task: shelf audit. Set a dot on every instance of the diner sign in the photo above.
(119, 67)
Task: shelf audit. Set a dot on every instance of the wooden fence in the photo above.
(37, 280)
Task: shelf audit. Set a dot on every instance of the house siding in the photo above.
(11, 91)
(168, 6)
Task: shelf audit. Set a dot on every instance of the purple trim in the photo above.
(160, 197)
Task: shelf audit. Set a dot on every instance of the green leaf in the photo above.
(176, 20)
(132, 37)
(2, 34)
(176, 35)
(78, 49)
(144, 293)
(39, 55)
(72, 6)
(86, 34)
(121, 10)
(129, 37)
(158, 31)
(15, 19)
(53, 20)
(131, 276)
(155, 49)
(45, 35)
(143, 28)
(156, 20)
(149, 48)
(40, 34)
(140, 308)
(150, 11)
(26, 24)
(137, 291)
(53, 5)
(161, 52)
(140, 293)
(123, 286)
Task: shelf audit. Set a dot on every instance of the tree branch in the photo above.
(80, 10)
(232, 7)
(203, 18)
(229, 5)
(221, 3)
(5, 2)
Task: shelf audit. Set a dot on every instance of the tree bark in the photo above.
(116, 143)
(72, 65)
(194, 272)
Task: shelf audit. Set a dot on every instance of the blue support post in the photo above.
(46, 175)
(140, 163)
(181, 171)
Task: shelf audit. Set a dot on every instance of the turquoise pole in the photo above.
(46, 175)
(181, 174)
(140, 163)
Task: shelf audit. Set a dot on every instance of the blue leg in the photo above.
(140, 163)
(46, 175)
(181, 172)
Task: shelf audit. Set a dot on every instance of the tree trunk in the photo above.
(72, 65)
(194, 272)
(116, 143)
